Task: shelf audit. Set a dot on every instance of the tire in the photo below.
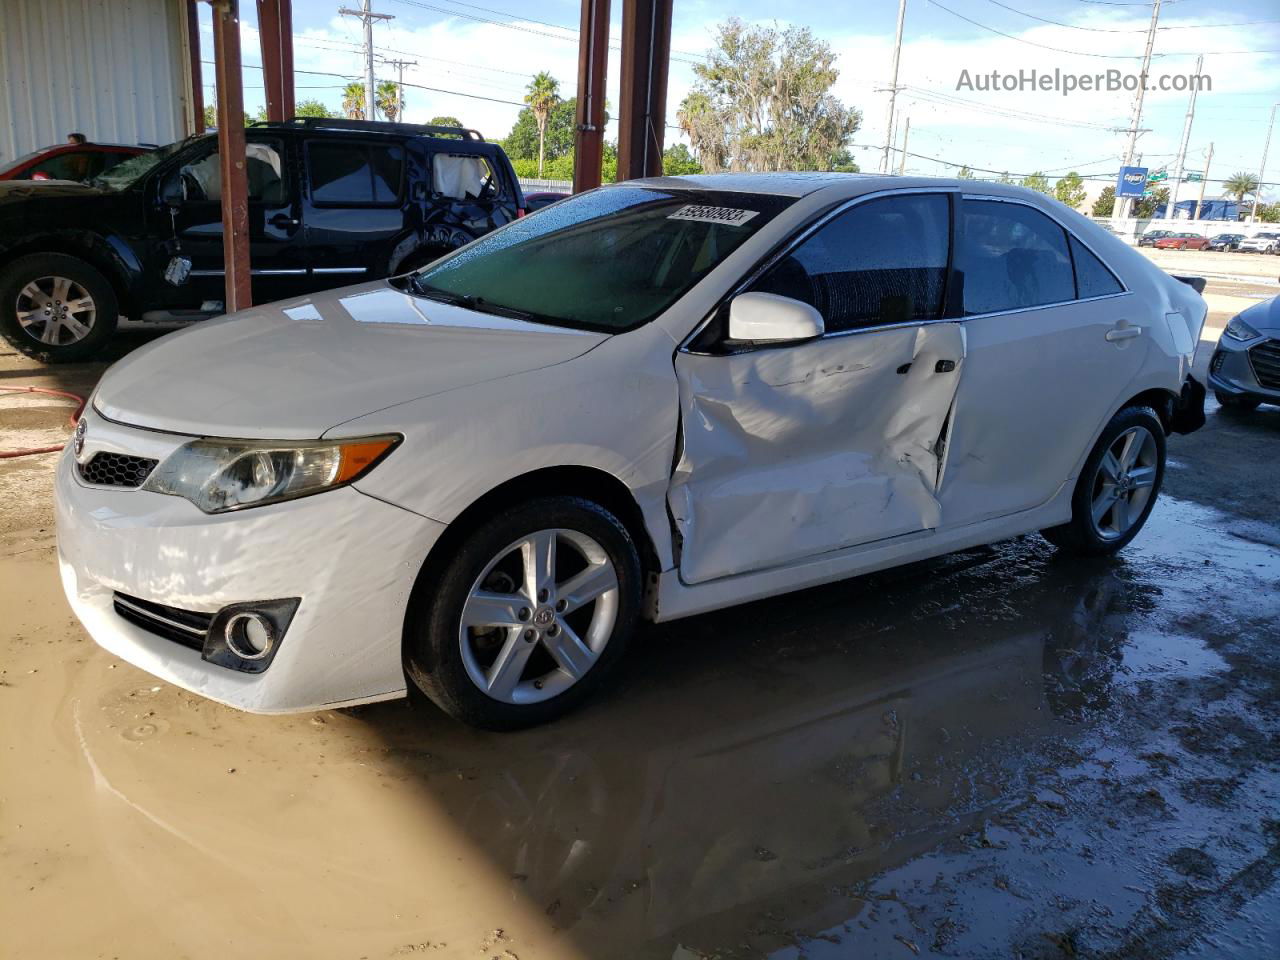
(487, 580)
(1120, 522)
(1236, 404)
(31, 283)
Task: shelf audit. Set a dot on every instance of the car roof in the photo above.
(837, 184)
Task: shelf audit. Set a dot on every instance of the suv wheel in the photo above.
(56, 308)
(534, 610)
(1117, 487)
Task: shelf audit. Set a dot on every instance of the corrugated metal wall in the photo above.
(114, 70)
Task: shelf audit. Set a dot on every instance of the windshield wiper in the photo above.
(470, 302)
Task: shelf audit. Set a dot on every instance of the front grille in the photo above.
(180, 626)
(117, 470)
(1265, 358)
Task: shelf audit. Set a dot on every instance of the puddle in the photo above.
(998, 751)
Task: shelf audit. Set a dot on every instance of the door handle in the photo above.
(283, 220)
(944, 366)
(1123, 331)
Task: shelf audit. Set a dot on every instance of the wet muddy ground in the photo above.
(999, 753)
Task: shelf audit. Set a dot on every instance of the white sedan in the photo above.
(644, 402)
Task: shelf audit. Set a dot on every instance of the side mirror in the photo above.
(769, 318)
(172, 192)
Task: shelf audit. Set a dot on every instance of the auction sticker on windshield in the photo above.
(729, 216)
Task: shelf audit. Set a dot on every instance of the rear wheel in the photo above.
(1117, 487)
(532, 613)
(56, 308)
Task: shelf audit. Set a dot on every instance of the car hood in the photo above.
(294, 369)
(25, 191)
(1264, 317)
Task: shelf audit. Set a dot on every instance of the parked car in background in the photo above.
(330, 202)
(1244, 370)
(536, 201)
(673, 395)
(77, 162)
(1266, 242)
(1226, 241)
(1182, 241)
(1149, 238)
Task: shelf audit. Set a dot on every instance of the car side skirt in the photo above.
(675, 599)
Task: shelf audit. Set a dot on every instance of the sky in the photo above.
(483, 54)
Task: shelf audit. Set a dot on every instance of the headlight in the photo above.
(1237, 329)
(221, 475)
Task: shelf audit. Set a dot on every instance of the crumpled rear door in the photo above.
(798, 450)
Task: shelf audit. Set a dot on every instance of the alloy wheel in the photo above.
(56, 311)
(1124, 482)
(539, 616)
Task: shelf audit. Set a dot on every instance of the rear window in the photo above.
(1011, 257)
(610, 260)
(464, 176)
(355, 174)
(1093, 279)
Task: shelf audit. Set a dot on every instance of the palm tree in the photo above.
(543, 95)
(1240, 185)
(387, 96)
(353, 100)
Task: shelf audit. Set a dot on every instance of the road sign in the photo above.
(1131, 182)
(1193, 177)
(1158, 176)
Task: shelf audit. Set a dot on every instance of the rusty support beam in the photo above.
(642, 112)
(231, 153)
(593, 59)
(275, 33)
(197, 76)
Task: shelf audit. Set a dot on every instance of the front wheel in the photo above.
(1117, 487)
(530, 616)
(56, 308)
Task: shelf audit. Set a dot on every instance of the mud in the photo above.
(999, 753)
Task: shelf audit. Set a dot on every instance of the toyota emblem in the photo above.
(82, 427)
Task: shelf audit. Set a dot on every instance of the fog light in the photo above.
(249, 635)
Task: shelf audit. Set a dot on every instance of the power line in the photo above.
(1031, 43)
(1059, 23)
(947, 99)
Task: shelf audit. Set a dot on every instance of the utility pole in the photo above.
(400, 65)
(1262, 170)
(1203, 181)
(1122, 203)
(906, 132)
(893, 87)
(368, 16)
(1186, 138)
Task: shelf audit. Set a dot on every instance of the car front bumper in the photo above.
(351, 559)
(1249, 369)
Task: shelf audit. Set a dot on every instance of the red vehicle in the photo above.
(1182, 241)
(70, 161)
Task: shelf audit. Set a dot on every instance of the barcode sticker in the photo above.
(729, 216)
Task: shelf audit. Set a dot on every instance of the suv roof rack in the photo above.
(378, 126)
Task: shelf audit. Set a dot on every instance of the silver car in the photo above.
(1245, 369)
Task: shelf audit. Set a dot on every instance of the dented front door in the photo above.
(795, 451)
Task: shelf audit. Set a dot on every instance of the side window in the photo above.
(1011, 257)
(1093, 279)
(202, 177)
(355, 173)
(462, 176)
(880, 262)
(79, 166)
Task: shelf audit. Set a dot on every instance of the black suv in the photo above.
(331, 202)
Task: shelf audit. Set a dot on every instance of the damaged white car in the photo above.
(647, 401)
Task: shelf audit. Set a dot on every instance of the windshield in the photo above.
(15, 164)
(608, 260)
(125, 174)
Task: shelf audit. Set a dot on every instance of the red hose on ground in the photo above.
(10, 454)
